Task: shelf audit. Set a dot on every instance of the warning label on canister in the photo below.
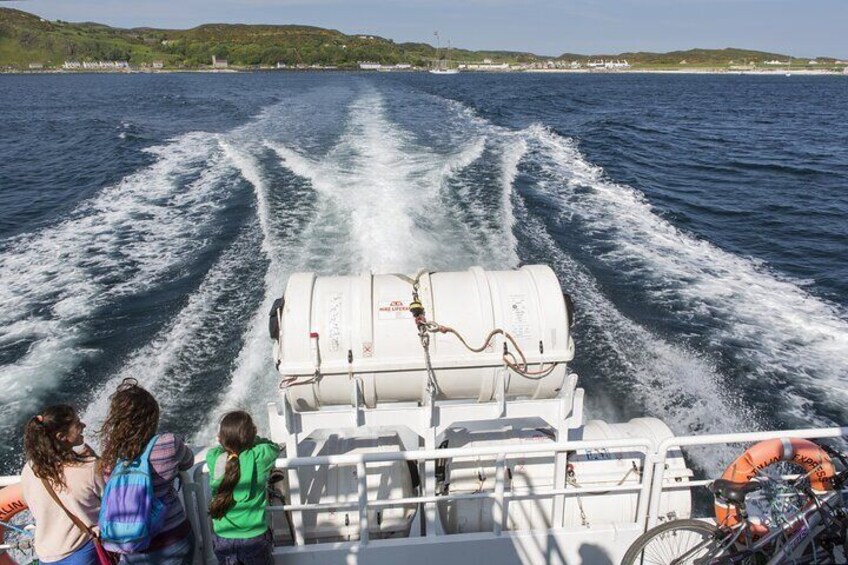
(518, 316)
(392, 310)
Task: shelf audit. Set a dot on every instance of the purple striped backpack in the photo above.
(130, 513)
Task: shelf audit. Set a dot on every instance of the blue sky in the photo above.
(549, 27)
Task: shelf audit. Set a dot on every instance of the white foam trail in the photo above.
(491, 231)
(367, 176)
(377, 181)
(192, 336)
(119, 243)
(469, 243)
(253, 374)
(462, 160)
(369, 187)
(670, 382)
(512, 156)
(249, 170)
(779, 327)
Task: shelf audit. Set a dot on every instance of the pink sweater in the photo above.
(56, 536)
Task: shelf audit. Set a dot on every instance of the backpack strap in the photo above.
(145, 456)
(77, 522)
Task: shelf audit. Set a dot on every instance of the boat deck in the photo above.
(590, 543)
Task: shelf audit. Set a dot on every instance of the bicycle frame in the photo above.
(793, 533)
(801, 527)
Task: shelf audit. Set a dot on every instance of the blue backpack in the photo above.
(130, 514)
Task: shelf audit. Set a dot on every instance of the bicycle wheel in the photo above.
(669, 542)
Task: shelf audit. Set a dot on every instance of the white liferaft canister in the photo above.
(364, 328)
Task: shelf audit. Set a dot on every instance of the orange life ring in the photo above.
(801, 452)
(11, 503)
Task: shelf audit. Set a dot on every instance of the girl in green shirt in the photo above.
(238, 474)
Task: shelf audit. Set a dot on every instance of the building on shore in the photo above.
(484, 66)
(98, 65)
(158, 64)
(611, 64)
(219, 63)
(369, 66)
(36, 66)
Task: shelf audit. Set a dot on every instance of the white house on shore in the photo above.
(602, 64)
(486, 66)
(219, 63)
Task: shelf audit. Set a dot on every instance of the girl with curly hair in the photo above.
(60, 465)
(131, 424)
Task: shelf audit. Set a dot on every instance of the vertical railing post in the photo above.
(293, 431)
(499, 509)
(293, 476)
(431, 509)
(560, 469)
(206, 523)
(362, 490)
(191, 507)
(657, 486)
(645, 490)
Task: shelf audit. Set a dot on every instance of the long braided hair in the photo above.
(46, 453)
(131, 423)
(236, 434)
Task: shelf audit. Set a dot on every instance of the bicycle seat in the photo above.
(734, 493)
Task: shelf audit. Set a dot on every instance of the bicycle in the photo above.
(816, 533)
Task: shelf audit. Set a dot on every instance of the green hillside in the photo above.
(27, 39)
(694, 57)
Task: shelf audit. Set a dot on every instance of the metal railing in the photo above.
(650, 485)
(498, 494)
(667, 445)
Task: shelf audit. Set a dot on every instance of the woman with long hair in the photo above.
(61, 467)
(238, 475)
(131, 424)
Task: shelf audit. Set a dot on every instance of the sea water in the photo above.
(147, 223)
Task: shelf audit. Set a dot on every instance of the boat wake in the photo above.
(57, 285)
(778, 335)
(717, 342)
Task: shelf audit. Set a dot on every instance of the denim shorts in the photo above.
(180, 552)
(249, 551)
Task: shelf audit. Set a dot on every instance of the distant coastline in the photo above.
(29, 43)
(631, 71)
(699, 71)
